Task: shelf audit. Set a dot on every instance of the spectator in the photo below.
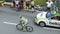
(28, 3)
(49, 4)
(16, 3)
(20, 4)
(32, 4)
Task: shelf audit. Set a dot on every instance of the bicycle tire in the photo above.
(19, 27)
(29, 28)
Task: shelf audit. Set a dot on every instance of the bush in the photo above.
(40, 2)
(8, 0)
(0, 0)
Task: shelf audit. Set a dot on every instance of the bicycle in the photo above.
(28, 28)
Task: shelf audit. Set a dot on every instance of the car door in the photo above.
(54, 22)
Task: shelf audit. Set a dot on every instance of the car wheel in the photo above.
(42, 24)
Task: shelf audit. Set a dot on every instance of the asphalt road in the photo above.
(11, 16)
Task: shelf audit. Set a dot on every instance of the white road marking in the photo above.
(43, 27)
(10, 23)
(51, 29)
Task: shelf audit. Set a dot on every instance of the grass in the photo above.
(0, 0)
(8, 0)
(40, 2)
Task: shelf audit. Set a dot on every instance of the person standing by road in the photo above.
(19, 5)
(32, 6)
(22, 3)
(49, 4)
(32, 3)
(16, 3)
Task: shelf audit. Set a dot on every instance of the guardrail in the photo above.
(6, 4)
(9, 4)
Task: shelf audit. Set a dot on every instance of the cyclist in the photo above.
(23, 21)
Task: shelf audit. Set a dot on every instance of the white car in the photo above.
(42, 20)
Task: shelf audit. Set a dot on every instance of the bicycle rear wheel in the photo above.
(29, 28)
(19, 27)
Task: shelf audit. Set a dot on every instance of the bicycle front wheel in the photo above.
(29, 28)
(19, 27)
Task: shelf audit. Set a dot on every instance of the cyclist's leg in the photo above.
(24, 27)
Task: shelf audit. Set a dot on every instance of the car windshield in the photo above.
(49, 14)
(56, 18)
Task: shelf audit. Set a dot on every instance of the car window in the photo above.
(57, 17)
(48, 15)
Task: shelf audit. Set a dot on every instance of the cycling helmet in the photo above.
(20, 16)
